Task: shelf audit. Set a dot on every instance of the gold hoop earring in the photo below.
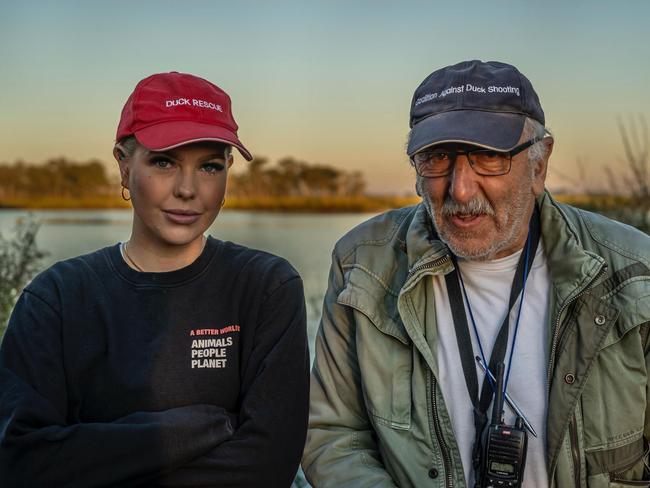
(123, 197)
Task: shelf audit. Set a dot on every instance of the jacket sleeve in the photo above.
(39, 447)
(646, 424)
(266, 446)
(341, 451)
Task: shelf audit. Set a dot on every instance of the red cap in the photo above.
(168, 110)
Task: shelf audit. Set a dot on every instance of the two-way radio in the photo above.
(504, 455)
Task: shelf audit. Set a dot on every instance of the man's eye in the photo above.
(432, 157)
(488, 156)
(439, 156)
(212, 167)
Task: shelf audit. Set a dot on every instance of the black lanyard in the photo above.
(467, 357)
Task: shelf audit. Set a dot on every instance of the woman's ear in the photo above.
(123, 161)
(229, 161)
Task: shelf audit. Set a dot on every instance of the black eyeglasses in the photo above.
(437, 162)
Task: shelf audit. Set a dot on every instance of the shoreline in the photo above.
(300, 204)
(293, 204)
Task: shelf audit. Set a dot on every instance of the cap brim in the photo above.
(168, 135)
(492, 130)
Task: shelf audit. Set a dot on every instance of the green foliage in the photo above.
(19, 262)
(58, 178)
(293, 178)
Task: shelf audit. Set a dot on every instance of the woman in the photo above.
(171, 359)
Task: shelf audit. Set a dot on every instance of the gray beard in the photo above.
(514, 219)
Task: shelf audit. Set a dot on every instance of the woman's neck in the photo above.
(142, 254)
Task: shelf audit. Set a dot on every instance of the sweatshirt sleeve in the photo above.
(38, 447)
(266, 446)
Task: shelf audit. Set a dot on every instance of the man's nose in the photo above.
(464, 181)
(185, 186)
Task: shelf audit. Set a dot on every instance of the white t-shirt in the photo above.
(488, 286)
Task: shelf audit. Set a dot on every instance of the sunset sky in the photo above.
(328, 81)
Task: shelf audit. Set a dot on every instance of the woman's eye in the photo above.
(161, 163)
(212, 167)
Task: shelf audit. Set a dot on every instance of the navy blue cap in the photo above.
(483, 104)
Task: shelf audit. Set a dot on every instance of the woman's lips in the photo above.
(181, 217)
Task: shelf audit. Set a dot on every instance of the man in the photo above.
(488, 266)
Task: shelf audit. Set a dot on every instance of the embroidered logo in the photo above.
(194, 103)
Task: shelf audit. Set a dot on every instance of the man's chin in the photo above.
(472, 242)
(469, 246)
(473, 254)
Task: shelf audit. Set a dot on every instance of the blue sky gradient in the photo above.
(327, 82)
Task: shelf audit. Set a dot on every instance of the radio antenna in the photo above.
(497, 410)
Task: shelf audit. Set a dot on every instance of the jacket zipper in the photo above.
(444, 450)
(573, 435)
(446, 459)
(433, 264)
(557, 334)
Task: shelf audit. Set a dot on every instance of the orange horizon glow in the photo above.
(327, 83)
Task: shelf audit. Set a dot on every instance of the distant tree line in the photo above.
(290, 177)
(58, 177)
(66, 179)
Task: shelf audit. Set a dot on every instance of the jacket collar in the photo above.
(424, 248)
(421, 240)
(571, 266)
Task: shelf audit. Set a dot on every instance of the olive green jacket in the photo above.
(377, 416)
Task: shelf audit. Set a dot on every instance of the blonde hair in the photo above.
(130, 144)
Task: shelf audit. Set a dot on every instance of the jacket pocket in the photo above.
(626, 465)
(637, 473)
(386, 372)
(384, 353)
(614, 397)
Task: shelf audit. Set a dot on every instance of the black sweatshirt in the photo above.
(195, 377)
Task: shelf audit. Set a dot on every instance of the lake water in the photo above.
(305, 240)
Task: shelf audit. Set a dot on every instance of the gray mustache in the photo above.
(476, 206)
